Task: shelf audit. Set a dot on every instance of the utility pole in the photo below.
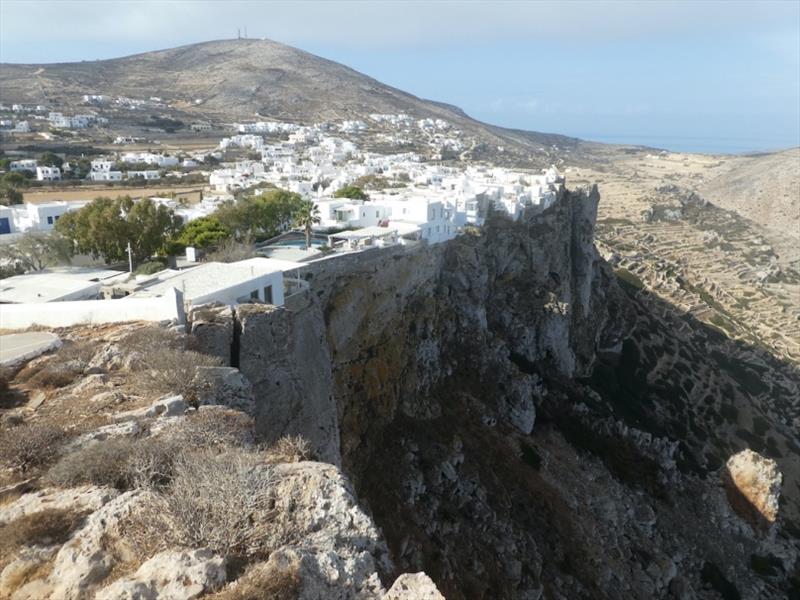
(130, 258)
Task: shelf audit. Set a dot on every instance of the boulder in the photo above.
(167, 406)
(224, 386)
(171, 575)
(753, 486)
(413, 586)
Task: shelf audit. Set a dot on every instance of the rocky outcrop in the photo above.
(753, 485)
(212, 330)
(336, 544)
(284, 355)
(86, 560)
(413, 586)
(170, 575)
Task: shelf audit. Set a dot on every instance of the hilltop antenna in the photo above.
(239, 33)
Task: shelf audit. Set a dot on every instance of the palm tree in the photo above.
(307, 216)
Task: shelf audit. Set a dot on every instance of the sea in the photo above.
(698, 145)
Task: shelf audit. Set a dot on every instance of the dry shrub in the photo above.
(170, 371)
(47, 527)
(290, 449)
(214, 426)
(8, 397)
(220, 501)
(100, 463)
(270, 581)
(149, 338)
(119, 462)
(61, 368)
(30, 445)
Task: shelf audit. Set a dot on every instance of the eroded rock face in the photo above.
(753, 485)
(224, 386)
(285, 357)
(413, 586)
(211, 328)
(337, 545)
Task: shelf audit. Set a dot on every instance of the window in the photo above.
(437, 229)
(377, 214)
(49, 220)
(268, 294)
(254, 295)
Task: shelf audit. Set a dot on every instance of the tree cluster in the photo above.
(106, 226)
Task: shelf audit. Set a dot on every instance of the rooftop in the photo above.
(43, 287)
(207, 278)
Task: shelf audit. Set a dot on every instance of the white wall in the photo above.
(168, 307)
(242, 291)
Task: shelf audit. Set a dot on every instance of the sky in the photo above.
(715, 76)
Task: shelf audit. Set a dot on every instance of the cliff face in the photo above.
(453, 383)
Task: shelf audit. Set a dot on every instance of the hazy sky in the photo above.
(711, 75)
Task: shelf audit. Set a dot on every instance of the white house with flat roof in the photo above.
(254, 279)
(34, 217)
(48, 173)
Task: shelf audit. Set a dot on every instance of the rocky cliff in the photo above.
(454, 384)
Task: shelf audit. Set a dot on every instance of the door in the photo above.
(5, 226)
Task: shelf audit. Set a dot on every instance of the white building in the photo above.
(254, 279)
(28, 164)
(48, 174)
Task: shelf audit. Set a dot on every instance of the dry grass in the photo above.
(290, 449)
(51, 526)
(30, 445)
(270, 581)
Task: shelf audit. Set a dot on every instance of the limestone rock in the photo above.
(86, 560)
(109, 358)
(87, 497)
(285, 356)
(413, 586)
(753, 485)
(123, 429)
(211, 330)
(167, 406)
(338, 547)
(224, 386)
(16, 571)
(172, 575)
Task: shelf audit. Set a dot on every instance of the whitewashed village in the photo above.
(354, 200)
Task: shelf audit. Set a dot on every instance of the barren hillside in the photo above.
(765, 189)
(231, 80)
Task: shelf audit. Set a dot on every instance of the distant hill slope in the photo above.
(764, 188)
(239, 80)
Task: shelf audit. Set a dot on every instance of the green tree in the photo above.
(260, 216)
(351, 191)
(105, 227)
(15, 179)
(37, 250)
(306, 217)
(203, 232)
(9, 195)
(49, 159)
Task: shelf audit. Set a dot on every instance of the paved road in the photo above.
(17, 347)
